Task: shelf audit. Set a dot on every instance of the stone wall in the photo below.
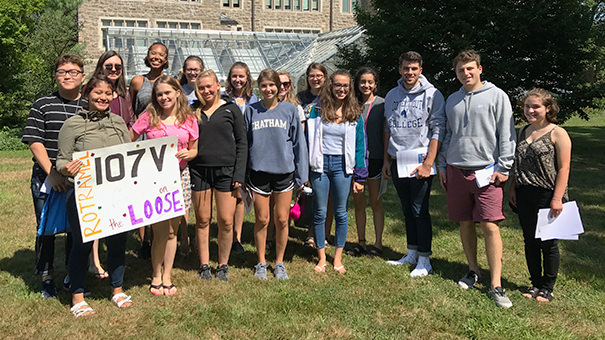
(207, 13)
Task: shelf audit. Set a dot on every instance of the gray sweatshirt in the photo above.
(413, 117)
(480, 130)
(276, 141)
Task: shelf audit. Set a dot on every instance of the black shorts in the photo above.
(375, 168)
(266, 183)
(217, 177)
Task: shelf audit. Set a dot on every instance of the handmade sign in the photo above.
(127, 186)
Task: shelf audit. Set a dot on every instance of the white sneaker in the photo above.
(410, 258)
(423, 268)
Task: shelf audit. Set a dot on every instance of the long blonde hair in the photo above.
(183, 111)
(290, 95)
(328, 103)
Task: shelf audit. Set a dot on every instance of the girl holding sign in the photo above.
(541, 173)
(92, 129)
(277, 163)
(336, 155)
(218, 170)
(168, 115)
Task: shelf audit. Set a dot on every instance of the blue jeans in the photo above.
(78, 264)
(414, 196)
(45, 244)
(333, 176)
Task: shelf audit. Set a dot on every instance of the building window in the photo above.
(292, 30)
(122, 23)
(297, 5)
(179, 25)
(231, 3)
(348, 5)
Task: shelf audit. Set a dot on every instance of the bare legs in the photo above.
(163, 250)
(493, 248)
(262, 212)
(359, 200)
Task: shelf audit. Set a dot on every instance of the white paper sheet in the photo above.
(45, 188)
(408, 160)
(247, 198)
(484, 176)
(567, 226)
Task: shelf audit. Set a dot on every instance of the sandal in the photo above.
(168, 290)
(120, 299)
(159, 290)
(356, 251)
(531, 292)
(545, 296)
(81, 309)
(341, 270)
(310, 242)
(373, 251)
(320, 269)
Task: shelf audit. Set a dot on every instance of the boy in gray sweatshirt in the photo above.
(474, 162)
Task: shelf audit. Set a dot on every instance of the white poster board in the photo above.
(127, 186)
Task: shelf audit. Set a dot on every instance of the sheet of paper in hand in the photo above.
(127, 186)
(409, 160)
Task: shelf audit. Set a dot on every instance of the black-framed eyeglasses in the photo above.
(73, 73)
(110, 67)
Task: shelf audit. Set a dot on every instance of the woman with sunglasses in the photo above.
(239, 87)
(140, 93)
(336, 155)
(192, 67)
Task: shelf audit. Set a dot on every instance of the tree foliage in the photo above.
(33, 33)
(555, 44)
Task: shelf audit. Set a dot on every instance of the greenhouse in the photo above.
(220, 49)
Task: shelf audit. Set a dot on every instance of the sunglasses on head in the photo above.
(110, 67)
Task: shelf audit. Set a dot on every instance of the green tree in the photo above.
(33, 34)
(523, 44)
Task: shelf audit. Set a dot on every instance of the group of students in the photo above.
(336, 136)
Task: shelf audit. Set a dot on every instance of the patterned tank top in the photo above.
(536, 162)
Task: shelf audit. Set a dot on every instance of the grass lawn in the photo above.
(372, 301)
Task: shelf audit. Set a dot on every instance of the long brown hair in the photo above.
(247, 90)
(290, 95)
(120, 85)
(548, 100)
(183, 111)
(350, 107)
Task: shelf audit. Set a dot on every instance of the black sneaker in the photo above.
(468, 280)
(237, 248)
(145, 250)
(49, 290)
(221, 273)
(205, 272)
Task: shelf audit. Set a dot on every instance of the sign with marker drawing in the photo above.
(127, 186)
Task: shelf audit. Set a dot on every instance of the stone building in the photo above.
(287, 16)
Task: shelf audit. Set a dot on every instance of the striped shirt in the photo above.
(46, 117)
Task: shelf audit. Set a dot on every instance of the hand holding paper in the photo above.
(567, 226)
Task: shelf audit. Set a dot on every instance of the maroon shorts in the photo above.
(467, 202)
